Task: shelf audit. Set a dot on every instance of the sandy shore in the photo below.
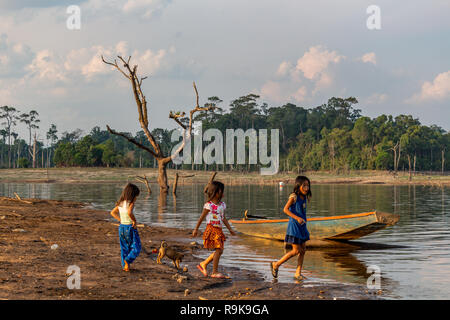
(88, 238)
(112, 175)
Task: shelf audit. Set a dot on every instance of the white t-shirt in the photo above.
(216, 213)
(123, 211)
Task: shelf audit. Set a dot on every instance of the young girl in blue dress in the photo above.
(296, 234)
(130, 243)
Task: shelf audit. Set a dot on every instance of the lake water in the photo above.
(415, 265)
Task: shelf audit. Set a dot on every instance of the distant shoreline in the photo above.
(121, 175)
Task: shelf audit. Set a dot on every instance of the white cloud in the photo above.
(61, 77)
(299, 95)
(46, 66)
(314, 66)
(87, 61)
(369, 58)
(316, 60)
(271, 90)
(376, 98)
(281, 92)
(439, 89)
(325, 80)
(13, 57)
(284, 68)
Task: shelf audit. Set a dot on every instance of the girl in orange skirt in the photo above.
(213, 237)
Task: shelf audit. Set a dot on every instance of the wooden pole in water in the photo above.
(211, 179)
(175, 184)
(175, 181)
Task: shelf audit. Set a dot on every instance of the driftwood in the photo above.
(145, 181)
(16, 199)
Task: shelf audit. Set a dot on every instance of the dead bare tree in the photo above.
(130, 72)
(395, 148)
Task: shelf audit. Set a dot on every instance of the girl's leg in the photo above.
(295, 250)
(205, 262)
(301, 255)
(216, 259)
(135, 247)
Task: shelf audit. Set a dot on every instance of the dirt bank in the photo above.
(30, 269)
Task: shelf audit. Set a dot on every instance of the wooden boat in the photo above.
(322, 230)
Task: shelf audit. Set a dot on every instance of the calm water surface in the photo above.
(415, 265)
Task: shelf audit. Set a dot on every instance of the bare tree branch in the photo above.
(139, 145)
(116, 66)
(177, 117)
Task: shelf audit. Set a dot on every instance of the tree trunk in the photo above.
(9, 153)
(409, 162)
(395, 160)
(162, 175)
(34, 152)
(414, 165)
(18, 154)
(443, 161)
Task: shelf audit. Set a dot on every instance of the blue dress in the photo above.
(297, 233)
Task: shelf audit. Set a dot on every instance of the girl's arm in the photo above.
(115, 213)
(225, 221)
(131, 214)
(286, 210)
(200, 220)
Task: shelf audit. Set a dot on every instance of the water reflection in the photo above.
(415, 265)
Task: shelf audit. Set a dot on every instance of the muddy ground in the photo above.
(30, 269)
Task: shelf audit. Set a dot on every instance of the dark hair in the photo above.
(214, 188)
(299, 182)
(129, 193)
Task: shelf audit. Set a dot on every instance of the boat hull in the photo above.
(323, 229)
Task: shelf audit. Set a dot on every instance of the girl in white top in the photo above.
(213, 237)
(130, 243)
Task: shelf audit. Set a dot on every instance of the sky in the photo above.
(302, 52)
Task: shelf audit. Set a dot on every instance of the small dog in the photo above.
(170, 253)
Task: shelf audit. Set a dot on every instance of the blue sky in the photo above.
(302, 52)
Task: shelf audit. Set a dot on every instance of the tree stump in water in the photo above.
(211, 179)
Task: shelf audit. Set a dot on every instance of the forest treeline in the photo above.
(333, 136)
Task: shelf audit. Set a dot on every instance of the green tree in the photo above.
(65, 154)
(10, 114)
